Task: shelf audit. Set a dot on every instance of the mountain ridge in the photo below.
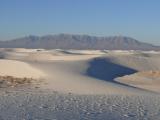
(74, 41)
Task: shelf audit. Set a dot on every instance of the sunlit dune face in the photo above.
(153, 74)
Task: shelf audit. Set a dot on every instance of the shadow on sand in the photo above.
(104, 69)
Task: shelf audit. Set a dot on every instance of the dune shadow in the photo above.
(104, 69)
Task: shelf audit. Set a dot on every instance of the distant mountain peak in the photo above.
(72, 41)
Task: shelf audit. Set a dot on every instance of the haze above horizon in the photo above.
(138, 19)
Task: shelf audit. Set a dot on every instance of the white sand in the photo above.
(18, 69)
(145, 80)
(81, 85)
(69, 76)
(78, 71)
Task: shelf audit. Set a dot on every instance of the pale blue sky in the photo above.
(139, 19)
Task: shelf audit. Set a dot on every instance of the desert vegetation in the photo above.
(11, 81)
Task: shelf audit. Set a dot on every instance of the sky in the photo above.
(139, 19)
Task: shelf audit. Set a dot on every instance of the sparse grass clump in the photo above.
(10, 81)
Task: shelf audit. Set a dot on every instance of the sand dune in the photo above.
(95, 74)
(18, 69)
(72, 77)
(83, 52)
(149, 80)
(44, 55)
(80, 71)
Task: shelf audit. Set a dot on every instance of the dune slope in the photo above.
(18, 69)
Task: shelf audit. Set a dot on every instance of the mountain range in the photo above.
(70, 41)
